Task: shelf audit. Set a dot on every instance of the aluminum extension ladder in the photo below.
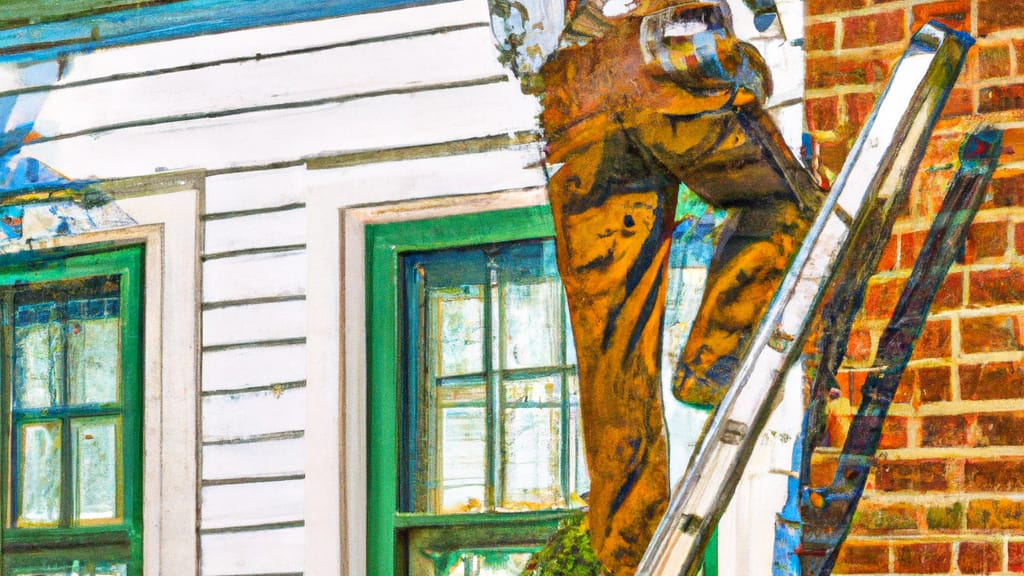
(878, 170)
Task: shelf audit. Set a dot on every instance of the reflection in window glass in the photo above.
(40, 474)
(39, 358)
(459, 333)
(93, 350)
(95, 444)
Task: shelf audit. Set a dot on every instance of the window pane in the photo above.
(39, 359)
(94, 350)
(532, 321)
(95, 444)
(532, 444)
(39, 474)
(488, 563)
(458, 329)
(75, 568)
(579, 478)
(463, 450)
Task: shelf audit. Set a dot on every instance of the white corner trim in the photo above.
(170, 374)
(335, 515)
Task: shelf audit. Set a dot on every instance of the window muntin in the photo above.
(490, 382)
(72, 412)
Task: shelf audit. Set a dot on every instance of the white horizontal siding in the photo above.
(236, 368)
(254, 323)
(259, 189)
(267, 230)
(266, 137)
(241, 416)
(235, 505)
(254, 459)
(263, 552)
(271, 40)
(274, 274)
(428, 60)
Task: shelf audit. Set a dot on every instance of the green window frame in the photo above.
(388, 526)
(80, 292)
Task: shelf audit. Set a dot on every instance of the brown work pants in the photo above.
(613, 202)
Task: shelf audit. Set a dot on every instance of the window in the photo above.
(475, 447)
(474, 438)
(72, 410)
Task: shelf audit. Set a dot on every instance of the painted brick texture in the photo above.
(947, 494)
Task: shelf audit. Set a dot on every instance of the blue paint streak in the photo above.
(170, 21)
(788, 523)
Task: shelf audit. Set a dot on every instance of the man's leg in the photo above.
(613, 233)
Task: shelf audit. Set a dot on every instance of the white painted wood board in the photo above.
(263, 552)
(254, 459)
(254, 323)
(266, 275)
(233, 505)
(227, 417)
(236, 368)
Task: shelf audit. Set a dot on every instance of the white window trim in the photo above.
(335, 514)
(171, 301)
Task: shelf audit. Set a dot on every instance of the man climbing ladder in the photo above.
(634, 107)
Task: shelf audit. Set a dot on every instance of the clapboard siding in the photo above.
(252, 367)
(253, 414)
(254, 323)
(265, 230)
(266, 459)
(254, 276)
(147, 59)
(233, 505)
(426, 60)
(270, 136)
(256, 190)
(253, 552)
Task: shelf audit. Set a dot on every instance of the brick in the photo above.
(1013, 138)
(986, 240)
(980, 557)
(823, 113)
(914, 475)
(1000, 98)
(874, 29)
(894, 433)
(945, 517)
(1006, 189)
(925, 558)
(935, 341)
(881, 298)
(858, 347)
(950, 294)
(1015, 556)
(862, 558)
(960, 103)
(821, 36)
(858, 107)
(1002, 429)
(832, 71)
(995, 15)
(910, 247)
(943, 431)
(879, 519)
(994, 287)
(991, 334)
(1018, 235)
(994, 61)
(933, 384)
(986, 514)
(887, 262)
(992, 381)
(815, 7)
(823, 469)
(956, 14)
(999, 475)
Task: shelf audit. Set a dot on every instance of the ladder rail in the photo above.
(827, 512)
(920, 84)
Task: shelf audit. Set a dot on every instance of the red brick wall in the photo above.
(948, 492)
